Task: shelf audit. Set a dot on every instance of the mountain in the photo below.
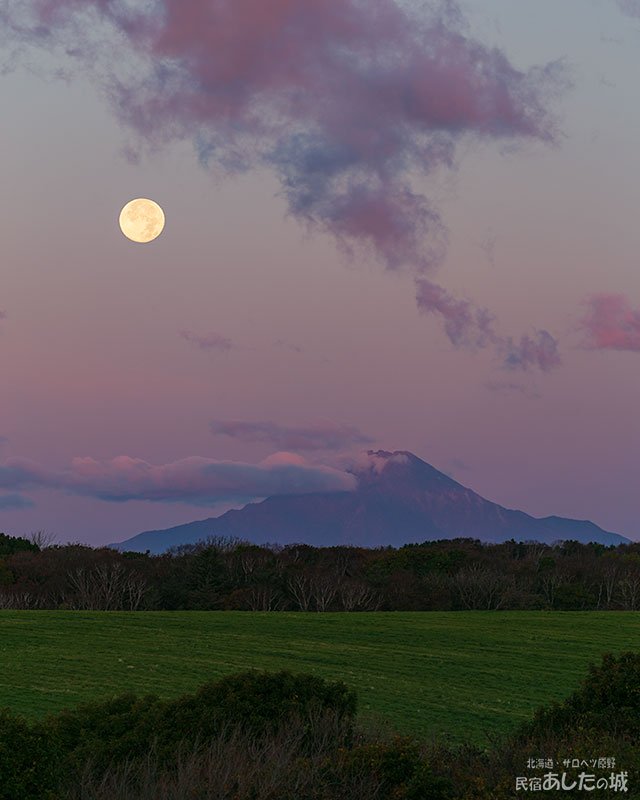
(399, 499)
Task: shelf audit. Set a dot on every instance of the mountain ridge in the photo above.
(399, 499)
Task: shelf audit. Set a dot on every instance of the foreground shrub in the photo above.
(126, 727)
(29, 763)
(600, 719)
(490, 774)
(607, 702)
(106, 732)
(400, 767)
(261, 736)
(262, 701)
(238, 765)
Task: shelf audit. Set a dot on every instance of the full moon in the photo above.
(141, 220)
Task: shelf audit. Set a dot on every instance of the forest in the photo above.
(227, 574)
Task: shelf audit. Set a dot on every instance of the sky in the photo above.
(398, 225)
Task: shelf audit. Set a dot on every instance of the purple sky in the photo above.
(389, 224)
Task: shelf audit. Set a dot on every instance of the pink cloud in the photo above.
(284, 458)
(320, 435)
(611, 323)
(210, 341)
(467, 325)
(194, 480)
(345, 101)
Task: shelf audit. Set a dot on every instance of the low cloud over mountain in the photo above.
(398, 499)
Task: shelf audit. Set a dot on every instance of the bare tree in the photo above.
(81, 584)
(135, 587)
(628, 587)
(110, 583)
(19, 601)
(324, 587)
(294, 553)
(356, 595)
(265, 598)
(107, 587)
(608, 572)
(251, 559)
(480, 588)
(223, 544)
(629, 591)
(549, 583)
(42, 539)
(300, 587)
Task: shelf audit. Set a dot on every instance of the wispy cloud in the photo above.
(209, 341)
(539, 350)
(472, 327)
(193, 480)
(320, 435)
(465, 324)
(345, 101)
(488, 246)
(288, 345)
(611, 323)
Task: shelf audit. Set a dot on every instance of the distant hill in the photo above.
(399, 499)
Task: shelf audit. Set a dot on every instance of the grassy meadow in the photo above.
(457, 673)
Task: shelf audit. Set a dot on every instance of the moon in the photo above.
(142, 220)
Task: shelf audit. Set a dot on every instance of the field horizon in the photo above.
(456, 674)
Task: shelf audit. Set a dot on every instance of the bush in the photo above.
(258, 736)
(105, 733)
(125, 727)
(261, 701)
(29, 762)
(608, 701)
(236, 765)
(401, 768)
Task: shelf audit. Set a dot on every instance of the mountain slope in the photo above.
(399, 499)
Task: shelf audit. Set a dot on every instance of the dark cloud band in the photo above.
(189, 480)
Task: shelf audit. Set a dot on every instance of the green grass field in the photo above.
(458, 673)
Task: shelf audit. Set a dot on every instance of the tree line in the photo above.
(221, 573)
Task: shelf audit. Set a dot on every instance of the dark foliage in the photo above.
(220, 574)
(400, 767)
(125, 727)
(29, 760)
(14, 544)
(607, 702)
(262, 736)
